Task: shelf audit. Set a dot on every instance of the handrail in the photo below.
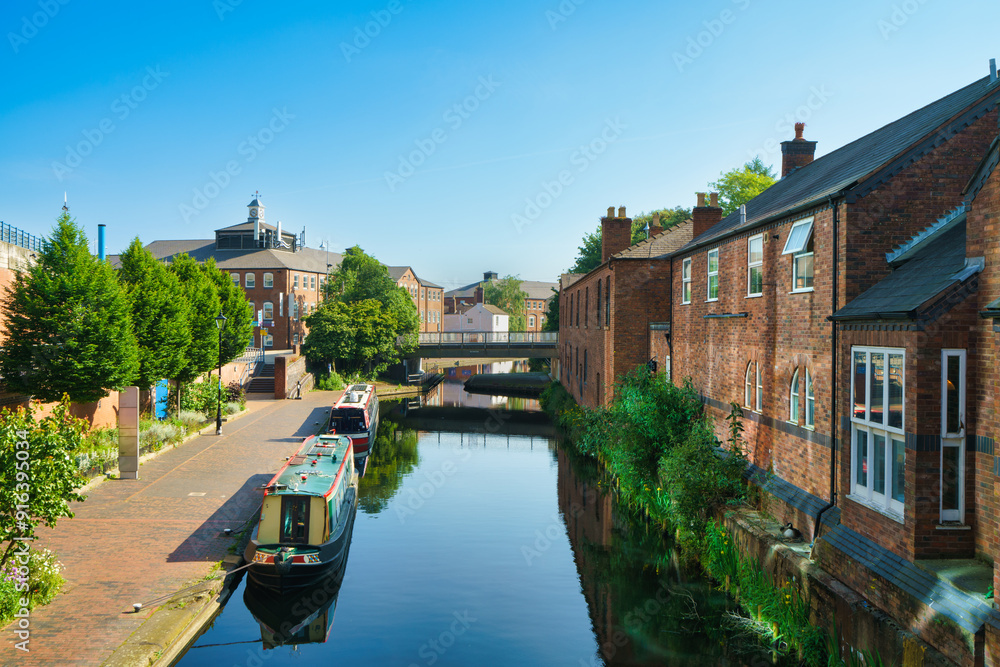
(254, 358)
(19, 237)
(506, 338)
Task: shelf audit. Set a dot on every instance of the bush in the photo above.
(154, 434)
(44, 583)
(190, 419)
(231, 408)
(330, 382)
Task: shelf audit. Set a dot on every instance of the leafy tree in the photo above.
(38, 477)
(67, 324)
(668, 218)
(159, 311)
(552, 314)
(507, 295)
(589, 257)
(236, 308)
(203, 307)
(361, 335)
(738, 186)
(360, 276)
(393, 458)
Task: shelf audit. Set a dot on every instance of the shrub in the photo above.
(190, 419)
(330, 382)
(44, 581)
(231, 408)
(155, 434)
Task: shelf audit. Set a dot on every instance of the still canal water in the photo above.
(492, 546)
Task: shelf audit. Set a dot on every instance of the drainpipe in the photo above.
(834, 415)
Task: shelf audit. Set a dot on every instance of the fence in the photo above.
(18, 237)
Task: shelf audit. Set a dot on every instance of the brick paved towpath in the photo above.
(135, 540)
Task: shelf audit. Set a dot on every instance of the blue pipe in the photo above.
(100, 242)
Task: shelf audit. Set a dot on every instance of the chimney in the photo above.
(993, 70)
(705, 217)
(616, 233)
(655, 227)
(796, 153)
(278, 244)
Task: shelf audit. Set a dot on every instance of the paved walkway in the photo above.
(135, 540)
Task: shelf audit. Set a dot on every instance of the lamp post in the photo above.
(220, 322)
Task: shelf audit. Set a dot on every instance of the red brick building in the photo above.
(428, 297)
(604, 316)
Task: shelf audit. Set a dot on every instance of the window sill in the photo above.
(864, 502)
(685, 303)
(754, 296)
(801, 291)
(952, 526)
(711, 300)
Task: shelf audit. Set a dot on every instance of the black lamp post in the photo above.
(220, 322)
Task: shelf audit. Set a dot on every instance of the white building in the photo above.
(479, 318)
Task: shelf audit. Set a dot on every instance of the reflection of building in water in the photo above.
(453, 394)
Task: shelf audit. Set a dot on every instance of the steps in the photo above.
(263, 381)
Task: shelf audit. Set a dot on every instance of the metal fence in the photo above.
(482, 338)
(19, 237)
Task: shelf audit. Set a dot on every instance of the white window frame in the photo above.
(758, 264)
(760, 390)
(268, 306)
(686, 280)
(712, 274)
(748, 387)
(295, 281)
(531, 320)
(793, 398)
(312, 282)
(810, 403)
(268, 280)
(294, 308)
(953, 439)
(865, 494)
(799, 251)
(250, 280)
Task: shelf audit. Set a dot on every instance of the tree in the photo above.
(668, 218)
(738, 186)
(360, 335)
(68, 329)
(235, 306)
(552, 314)
(203, 308)
(507, 295)
(589, 257)
(159, 311)
(38, 477)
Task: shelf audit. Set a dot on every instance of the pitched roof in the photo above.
(662, 244)
(466, 291)
(311, 260)
(248, 227)
(876, 152)
(493, 309)
(937, 263)
(396, 272)
(539, 290)
(427, 283)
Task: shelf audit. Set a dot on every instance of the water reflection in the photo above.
(452, 394)
(393, 457)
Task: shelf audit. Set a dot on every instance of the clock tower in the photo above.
(256, 210)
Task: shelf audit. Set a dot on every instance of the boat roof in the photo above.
(355, 396)
(321, 459)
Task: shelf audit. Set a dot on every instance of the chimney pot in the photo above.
(714, 198)
(656, 219)
(701, 199)
(621, 211)
(705, 217)
(799, 129)
(611, 211)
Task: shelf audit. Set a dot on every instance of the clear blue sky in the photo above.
(183, 86)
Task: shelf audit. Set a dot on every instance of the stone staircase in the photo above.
(263, 381)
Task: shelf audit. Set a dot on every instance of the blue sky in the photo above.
(162, 119)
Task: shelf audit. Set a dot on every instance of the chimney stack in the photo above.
(100, 241)
(705, 217)
(616, 233)
(655, 227)
(993, 70)
(796, 153)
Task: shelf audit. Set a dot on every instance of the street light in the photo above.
(220, 322)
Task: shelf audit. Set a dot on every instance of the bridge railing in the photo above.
(448, 338)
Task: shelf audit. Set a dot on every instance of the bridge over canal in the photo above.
(510, 345)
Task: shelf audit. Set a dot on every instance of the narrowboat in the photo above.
(306, 517)
(355, 414)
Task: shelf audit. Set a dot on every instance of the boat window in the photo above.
(294, 520)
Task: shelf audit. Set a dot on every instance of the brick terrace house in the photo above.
(427, 296)
(535, 304)
(848, 309)
(281, 277)
(604, 316)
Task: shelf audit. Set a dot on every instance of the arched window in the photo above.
(748, 393)
(268, 280)
(760, 389)
(793, 398)
(810, 402)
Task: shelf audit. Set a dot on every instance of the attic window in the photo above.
(798, 237)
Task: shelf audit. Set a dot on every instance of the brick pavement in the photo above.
(135, 540)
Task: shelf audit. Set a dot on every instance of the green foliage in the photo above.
(766, 602)
(507, 295)
(203, 307)
(38, 476)
(234, 305)
(67, 324)
(361, 335)
(394, 456)
(38, 581)
(204, 397)
(159, 311)
(589, 255)
(551, 322)
(329, 382)
(738, 186)
(668, 218)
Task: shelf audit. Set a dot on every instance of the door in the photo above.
(952, 435)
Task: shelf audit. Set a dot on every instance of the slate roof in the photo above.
(466, 291)
(311, 260)
(662, 244)
(248, 227)
(493, 309)
(538, 289)
(396, 272)
(853, 163)
(937, 264)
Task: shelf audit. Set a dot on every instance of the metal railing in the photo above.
(253, 357)
(486, 338)
(19, 237)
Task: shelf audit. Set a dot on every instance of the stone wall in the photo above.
(289, 370)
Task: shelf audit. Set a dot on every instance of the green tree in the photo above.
(203, 308)
(359, 336)
(234, 305)
(507, 295)
(668, 218)
(159, 312)
(67, 324)
(38, 477)
(552, 314)
(589, 256)
(738, 186)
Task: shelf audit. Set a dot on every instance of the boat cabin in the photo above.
(355, 410)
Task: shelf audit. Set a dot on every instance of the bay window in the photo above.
(878, 445)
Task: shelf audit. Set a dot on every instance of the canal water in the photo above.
(480, 541)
